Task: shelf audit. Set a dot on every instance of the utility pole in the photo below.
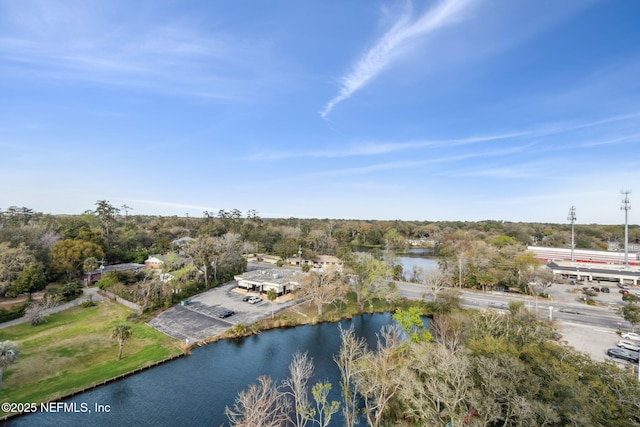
(626, 207)
(572, 218)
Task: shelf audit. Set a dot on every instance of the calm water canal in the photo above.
(194, 390)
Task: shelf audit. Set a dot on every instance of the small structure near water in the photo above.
(281, 280)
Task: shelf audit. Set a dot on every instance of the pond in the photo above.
(194, 390)
(409, 263)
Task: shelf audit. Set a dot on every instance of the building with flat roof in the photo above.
(281, 280)
(583, 255)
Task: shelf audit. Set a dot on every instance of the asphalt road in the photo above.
(589, 329)
(568, 308)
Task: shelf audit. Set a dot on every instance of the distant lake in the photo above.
(194, 390)
(409, 263)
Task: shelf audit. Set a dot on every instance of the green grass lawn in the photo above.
(73, 350)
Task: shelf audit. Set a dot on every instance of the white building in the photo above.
(280, 280)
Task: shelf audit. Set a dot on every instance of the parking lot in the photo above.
(586, 338)
(199, 318)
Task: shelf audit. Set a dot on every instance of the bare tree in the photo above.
(36, 311)
(377, 380)
(324, 288)
(435, 281)
(544, 278)
(149, 290)
(448, 330)
(437, 386)
(300, 372)
(261, 405)
(508, 393)
(216, 253)
(351, 351)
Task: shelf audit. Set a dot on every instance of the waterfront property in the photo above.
(281, 280)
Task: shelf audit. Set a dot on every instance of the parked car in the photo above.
(618, 353)
(254, 300)
(631, 336)
(623, 291)
(629, 345)
(226, 313)
(604, 289)
(498, 305)
(622, 286)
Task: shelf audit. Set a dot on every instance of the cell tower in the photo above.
(626, 207)
(572, 218)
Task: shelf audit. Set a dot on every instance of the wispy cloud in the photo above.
(408, 164)
(175, 58)
(515, 171)
(613, 141)
(394, 44)
(534, 135)
(377, 148)
(369, 168)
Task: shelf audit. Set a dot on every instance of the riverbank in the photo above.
(73, 351)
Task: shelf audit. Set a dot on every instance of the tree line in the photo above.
(473, 368)
(38, 248)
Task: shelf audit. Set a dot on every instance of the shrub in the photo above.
(89, 303)
(109, 280)
(68, 291)
(15, 312)
(133, 317)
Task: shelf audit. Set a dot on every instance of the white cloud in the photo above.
(177, 58)
(394, 44)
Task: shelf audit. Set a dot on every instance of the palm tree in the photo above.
(8, 354)
(121, 332)
(271, 296)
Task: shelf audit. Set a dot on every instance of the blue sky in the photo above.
(423, 110)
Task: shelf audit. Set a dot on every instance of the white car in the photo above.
(631, 336)
(254, 300)
(629, 345)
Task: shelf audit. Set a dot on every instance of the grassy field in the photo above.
(73, 350)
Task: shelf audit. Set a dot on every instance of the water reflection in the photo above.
(194, 390)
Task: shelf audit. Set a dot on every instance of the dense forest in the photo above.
(38, 248)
